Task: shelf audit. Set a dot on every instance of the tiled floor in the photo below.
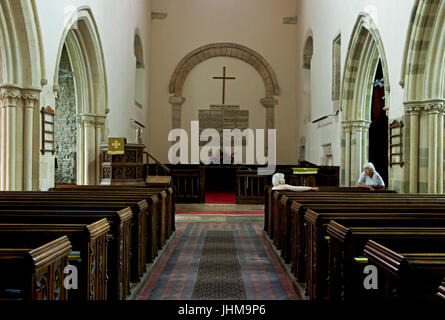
(175, 275)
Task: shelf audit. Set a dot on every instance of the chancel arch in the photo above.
(83, 45)
(423, 78)
(236, 51)
(21, 78)
(365, 53)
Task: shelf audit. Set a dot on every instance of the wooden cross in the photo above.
(224, 78)
(116, 144)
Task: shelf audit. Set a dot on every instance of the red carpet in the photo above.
(220, 212)
(220, 197)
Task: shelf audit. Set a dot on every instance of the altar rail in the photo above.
(190, 182)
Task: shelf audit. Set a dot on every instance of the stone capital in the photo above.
(174, 100)
(356, 124)
(434, 108)
(91, 120)
(10, 95)
(30, 97)
(269, 102)
(414, 110)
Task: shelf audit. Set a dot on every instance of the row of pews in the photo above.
(108, 234)
(330, 238)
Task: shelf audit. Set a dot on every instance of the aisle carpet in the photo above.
(218, 261)
(220, 197)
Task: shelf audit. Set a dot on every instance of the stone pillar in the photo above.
(440, 150)
(433, 117)
(269, 104)
(30, 99)
(100, 125)
(359, 153)
(176, 103)
(10, 97)
(87, 149)
(414, 114)
(365, 150)
(80, 151)
(347, 130)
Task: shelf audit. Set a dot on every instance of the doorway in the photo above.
(378, 131)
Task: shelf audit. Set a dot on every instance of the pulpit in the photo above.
(126, 168)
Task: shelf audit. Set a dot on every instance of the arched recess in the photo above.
(139, 72)
(423, 78)
(21, 78)
(236, 51)
(308, 52)
(82, 41)
(365, 50)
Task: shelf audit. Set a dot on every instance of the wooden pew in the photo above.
(35, 274)
(291, 220)
(166, 209)
(408, 271)
(316, 261)
(347, 242)
(441, 292)
(323, 190)
(90, 241)
(81, 201)
(119, 243)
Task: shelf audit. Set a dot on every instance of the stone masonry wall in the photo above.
(65, 124)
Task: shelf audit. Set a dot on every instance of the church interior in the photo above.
(222, 150)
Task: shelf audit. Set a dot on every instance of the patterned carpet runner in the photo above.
(219, 273)
(218, 261)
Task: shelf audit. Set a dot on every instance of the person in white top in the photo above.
(280, 184)
(370, 179)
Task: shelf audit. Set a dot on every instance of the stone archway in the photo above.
(82, 41)
(423, 78)
(21, 78)
(364, 53)
(236, 51)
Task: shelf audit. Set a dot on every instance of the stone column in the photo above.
(80, 151)
(440, 150)
(365, 151)
(30, 99)
(100, 125)
(10, 97)
(347, 130)
(87, 149)
(269, 104)
(414, 114)
(433, 117)
(176, 103)
(2, 146)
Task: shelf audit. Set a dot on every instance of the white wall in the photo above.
(117, 22)
(327, 19)
(257, 24)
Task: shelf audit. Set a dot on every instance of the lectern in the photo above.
(126, 168)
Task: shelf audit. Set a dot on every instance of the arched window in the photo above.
(336, 72)
(139, 74)
(307, 88)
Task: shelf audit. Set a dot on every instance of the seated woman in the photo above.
(370, 179)
(280, 184)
